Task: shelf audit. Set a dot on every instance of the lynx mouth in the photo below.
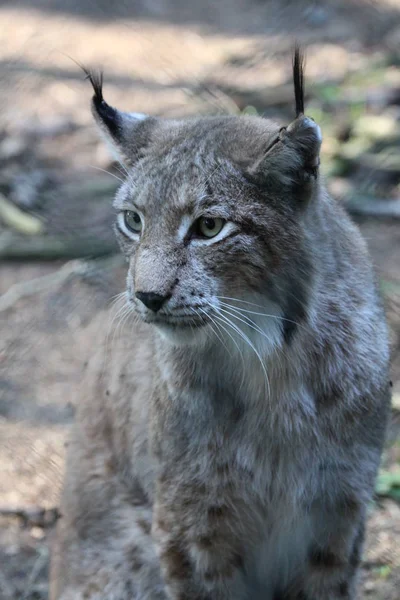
(176, 323)
(180, 331)
(179, 318)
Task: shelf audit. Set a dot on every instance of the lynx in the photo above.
(227, 448)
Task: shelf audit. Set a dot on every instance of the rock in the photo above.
(369, 587)
(354, 148)
(365, 205)
(49, 128)
(12, 147)
(384, 165)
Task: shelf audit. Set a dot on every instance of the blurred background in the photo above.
(59, 261)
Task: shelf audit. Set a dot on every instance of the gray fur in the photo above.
(205, 465)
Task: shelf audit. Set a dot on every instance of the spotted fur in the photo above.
(227, 447)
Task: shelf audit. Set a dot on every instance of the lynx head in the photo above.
(211, 218)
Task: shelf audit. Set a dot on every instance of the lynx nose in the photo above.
(153, 301)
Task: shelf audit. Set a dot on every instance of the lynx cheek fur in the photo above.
(232, 451)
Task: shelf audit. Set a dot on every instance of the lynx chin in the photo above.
(226, 448)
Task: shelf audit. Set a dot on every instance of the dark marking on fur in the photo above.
(330, 398)
(217, 512)
(295, 309)
(135, 558)
(144, 526)
(302, 596)
(237, 413)
(129, 588)
(138, 495)
(225, 571)
(177, 563)
(323, 558)
(223, 470)
(205, 542)
(295, 312)
(90, 590)
(348, 506)
(110, 466)
(355, 556)
(343, 589)
(162, 524)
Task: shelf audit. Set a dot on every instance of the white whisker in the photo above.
(108, 173)
(261, 314)
(248, 322)
(248, 341)
(215, 331)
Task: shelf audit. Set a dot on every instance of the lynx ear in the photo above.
(293, 156)
(303, 139)
(126, 133)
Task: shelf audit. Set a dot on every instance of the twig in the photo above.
(17, 219)
(37, 567)
(8, 593)
(33, 517)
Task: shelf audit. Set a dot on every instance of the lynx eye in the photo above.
(209, 227)
(132, 221)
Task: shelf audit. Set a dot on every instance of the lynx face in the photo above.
(211, 219)
(206, 244)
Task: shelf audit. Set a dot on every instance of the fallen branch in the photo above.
(39, 284)
(17, 247)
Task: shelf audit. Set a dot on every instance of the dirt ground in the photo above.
(163, 57)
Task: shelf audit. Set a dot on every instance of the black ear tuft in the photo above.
(103, 111)
(298, 79)
(96, 79)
